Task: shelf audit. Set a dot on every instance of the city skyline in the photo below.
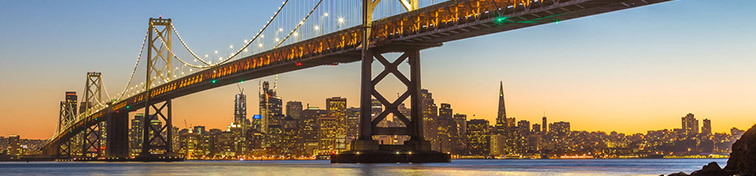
(599, 97)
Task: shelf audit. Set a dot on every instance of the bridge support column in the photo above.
(91, 141)
(64, 149)
(117, 145)
(415, 150)
(158, 132)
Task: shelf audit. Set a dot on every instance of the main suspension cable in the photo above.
(237, 52)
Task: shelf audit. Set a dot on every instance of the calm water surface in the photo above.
(323, 167)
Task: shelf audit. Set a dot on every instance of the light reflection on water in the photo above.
(321, 167)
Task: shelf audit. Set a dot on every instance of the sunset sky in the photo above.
(628, 71)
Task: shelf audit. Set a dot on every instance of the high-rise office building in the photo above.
(560, 129)
(240, 110)
(544, 124)
(136, 134)
(327, 135)
(536, 128)
(199, 130)
(461, 121)
(294, 109)
(292, 145)
(501, 117)
(429, 113)
(523, 127)
(353, 124)
(337, 109)
(270, 106)
(706, 128)
(690, 125)
(447, 129)
(310, 128)
(478, 137)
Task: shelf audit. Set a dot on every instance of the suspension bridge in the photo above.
(302, 34)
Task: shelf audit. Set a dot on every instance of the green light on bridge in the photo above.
(242, 81)
(214, 81)
(556, 21)
(500, 19)
(127, 107)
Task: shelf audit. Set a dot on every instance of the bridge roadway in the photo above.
(426, 27)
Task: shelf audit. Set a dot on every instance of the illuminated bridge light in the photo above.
(127, 107)
(214, 81)
(500, 19)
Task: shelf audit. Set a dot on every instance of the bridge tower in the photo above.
(92, 136)
(367, 150)
(66, 118)
(158, 117)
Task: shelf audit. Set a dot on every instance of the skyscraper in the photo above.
(560, 129)
(461, 120)
(429, 112)
(478, 137)
(501, 118)
(240, 110)
(136, 134)
(706, 128)
(353, 124)
(310, 128)
(337, 109)
(294, 109)
(447, 129)
(544, 125)
(690, 125)
(270, 106)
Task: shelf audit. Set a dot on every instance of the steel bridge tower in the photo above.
(158, 117)
(66, 118)
(92, 136)
(367, 150)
